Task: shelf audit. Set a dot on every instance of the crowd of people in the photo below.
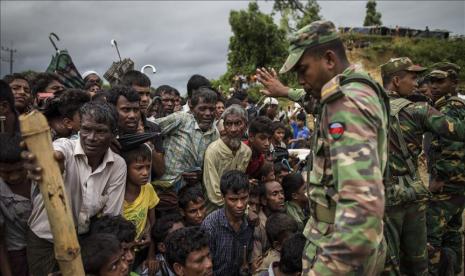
(207, 184)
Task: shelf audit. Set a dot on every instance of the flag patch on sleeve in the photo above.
(336, 130)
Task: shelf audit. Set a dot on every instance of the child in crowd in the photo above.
(259, 141)
(266, 172)
(279, 130)
(279, 227)
(296, 200)
(102, 255)
(192, 205)
(280, 171)
(301, 131)
(140, 198)
(123, 229)
(162, 228)
(290, 263)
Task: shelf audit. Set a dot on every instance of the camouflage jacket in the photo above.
(448, 157)
(415, 119)
(346, 182)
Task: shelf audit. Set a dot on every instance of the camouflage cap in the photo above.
(400, 64)
(314, 34)
(438, 74)
(446, 66)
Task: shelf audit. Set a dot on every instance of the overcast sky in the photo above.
(179, 38)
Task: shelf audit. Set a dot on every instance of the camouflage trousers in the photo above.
(405, 233)
(315, 263)
(444, 220)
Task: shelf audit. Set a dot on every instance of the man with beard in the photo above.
(21, 90)
(225, 154)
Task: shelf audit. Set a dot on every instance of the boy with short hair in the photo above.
(231, 235)
(301, 131)
(140, 198)
(279, 227)
(296, 200)
(103, 255)
(290, 263)
(259, 141)
(123, 229)
(187, 252)
(192, 205)
(162, 228)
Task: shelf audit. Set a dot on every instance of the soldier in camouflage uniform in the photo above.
(444, 214)
(406, 195)
(345, 231)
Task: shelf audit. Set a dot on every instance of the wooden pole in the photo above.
(36, 134)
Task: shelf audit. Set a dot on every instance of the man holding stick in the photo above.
(94, 178)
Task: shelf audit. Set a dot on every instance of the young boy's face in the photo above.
(236, 203)
(195, 212)
(128, 248)
(260, 142)
(139, 172)
(281, 175)
(269, 177)
(278, 135)
(116, 265)
(198, 262)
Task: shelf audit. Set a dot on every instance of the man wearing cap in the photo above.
(349, 155)
(92, 77)
(447, 164)
(270, 109)
(406, 196)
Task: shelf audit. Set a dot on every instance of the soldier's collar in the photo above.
(392, 94)
(332, 88)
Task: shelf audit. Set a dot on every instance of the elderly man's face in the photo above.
(234, 126)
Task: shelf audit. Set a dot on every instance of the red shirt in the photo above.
(255, 163)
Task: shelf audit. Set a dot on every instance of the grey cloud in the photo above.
(180, 38)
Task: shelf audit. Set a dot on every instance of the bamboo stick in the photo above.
(36, 134)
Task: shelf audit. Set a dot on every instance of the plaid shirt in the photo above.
(226, 245)
(184, 143)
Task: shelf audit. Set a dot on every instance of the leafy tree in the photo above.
(372, 17)
(256, 42)
(300, 14)
(311, 13)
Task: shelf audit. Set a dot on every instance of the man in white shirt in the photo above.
(94, 179)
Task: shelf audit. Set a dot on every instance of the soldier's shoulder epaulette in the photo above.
(456, 101)
(397, 104)
(331, 91)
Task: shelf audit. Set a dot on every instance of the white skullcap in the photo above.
(87, 73)
(271, 101)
